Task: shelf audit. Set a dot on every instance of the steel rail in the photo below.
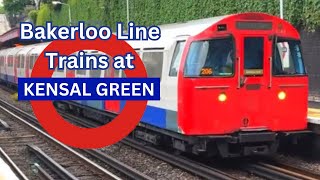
(117, 165)
(41, 172)
(12, 165)
(52, 164)
(21, 116)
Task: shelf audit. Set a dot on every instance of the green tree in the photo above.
(15, 10)
(14, 7)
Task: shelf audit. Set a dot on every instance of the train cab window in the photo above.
(176, 58)
(210, 58)
(153, 63)
(287, 58)
(253, 56)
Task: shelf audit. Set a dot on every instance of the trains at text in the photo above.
(231, 85)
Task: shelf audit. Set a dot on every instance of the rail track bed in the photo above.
(18, 142)
(266, 169)
(35, 152)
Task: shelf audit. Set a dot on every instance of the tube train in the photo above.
(231, 85)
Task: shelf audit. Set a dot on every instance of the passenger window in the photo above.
(288, 58)
(213, 57)
(2, 61)
(31, 63)
(21, 61)
(176, 58)
(18, 61)
(253, 55)
(95, 73)
(153, 63)
(81, 72)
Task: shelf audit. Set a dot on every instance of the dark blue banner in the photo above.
(89, 89)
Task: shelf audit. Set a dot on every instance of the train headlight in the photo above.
(222, 97)
(282, 95)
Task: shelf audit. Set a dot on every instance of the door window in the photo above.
(253, 56)
(176, 58)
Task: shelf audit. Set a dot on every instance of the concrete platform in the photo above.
(313, 112)
(5, 172)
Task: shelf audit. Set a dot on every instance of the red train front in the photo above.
(243, 84)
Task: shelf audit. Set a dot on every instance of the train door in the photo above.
(21, 65)
(170, 82)
(96, 73)
(253, 81)
(33, 58)
(289, 85)
(2, 73)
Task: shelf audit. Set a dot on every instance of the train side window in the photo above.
(60, 70)
(95, 73)
(81, 71)
(153, 62)
(253, 56)
(31, 61)
(176, 58)
(18, 61)
(1, 61)
(22, 61)
(9, 61)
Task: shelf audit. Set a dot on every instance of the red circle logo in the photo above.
(80, 137)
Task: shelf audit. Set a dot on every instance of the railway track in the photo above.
(280, 171)
(12, 165)
(191, 166)
(268, 170)
(65, 167)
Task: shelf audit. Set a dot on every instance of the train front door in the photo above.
(254, 76)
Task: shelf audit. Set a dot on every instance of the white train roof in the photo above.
(170, 31)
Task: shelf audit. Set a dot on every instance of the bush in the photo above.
(302, 13)
(2, 11)
(33, 15)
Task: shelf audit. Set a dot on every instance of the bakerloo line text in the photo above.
(81, 89)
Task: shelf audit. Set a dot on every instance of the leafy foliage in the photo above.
(2, 11)
(15, 6)
(302, 13)
(33, 15)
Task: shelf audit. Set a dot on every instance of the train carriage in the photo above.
(231, 85)
(3, 71)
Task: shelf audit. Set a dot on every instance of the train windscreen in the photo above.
(287, 58)
(213, 57)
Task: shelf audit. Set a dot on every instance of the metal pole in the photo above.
(70, 21)
(128, 14)
(281, 9)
